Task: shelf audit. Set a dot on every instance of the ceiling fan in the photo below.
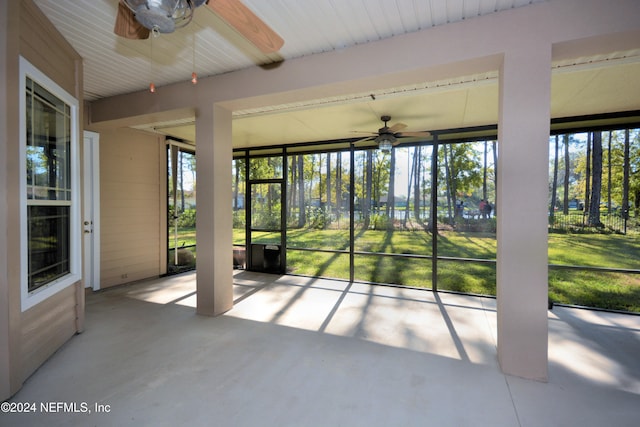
(387, 137)
(137, 18)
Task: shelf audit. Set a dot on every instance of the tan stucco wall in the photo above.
(29, 338)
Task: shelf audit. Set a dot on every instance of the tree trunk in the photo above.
(567, 173)
(181, 173)
(596, 187)
(417, 161)
(587, 185)
(495, 176)
(377, 183)
(320, 186)
(366, 208)
(391, 194)
(406, 210)
(235, 187)
(291, 199)
(484, 173)
(554, 186)
(302, 216)
(625, 177)
(328, 208)
(454, 182)
(338, 185)
(448, 180)
(609, 174)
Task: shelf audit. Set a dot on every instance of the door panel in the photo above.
(91, 208)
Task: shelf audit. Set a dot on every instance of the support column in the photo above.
(523, 174)
(214, 154)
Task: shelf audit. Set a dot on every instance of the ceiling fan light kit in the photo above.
(387, 136)
(385, 142)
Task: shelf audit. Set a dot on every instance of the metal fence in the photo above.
(580, 222)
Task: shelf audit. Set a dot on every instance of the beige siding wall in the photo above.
(46, 327)
(45, 48)
(30, 337)
(131, 206)
(5, 360)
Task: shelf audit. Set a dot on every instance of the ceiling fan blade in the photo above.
(127, 26)
(414, 134)
(360, 142)
(398, 126)
(243, 20)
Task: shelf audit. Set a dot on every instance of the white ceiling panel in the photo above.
(113, 65)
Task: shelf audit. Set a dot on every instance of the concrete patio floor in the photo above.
(299, 351)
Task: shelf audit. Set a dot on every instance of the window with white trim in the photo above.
(50, 210)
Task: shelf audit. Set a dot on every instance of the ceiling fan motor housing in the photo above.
(163, 16)
(154, 19)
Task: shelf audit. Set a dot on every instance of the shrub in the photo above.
(239, 218)
(187, 219)
(318, 218)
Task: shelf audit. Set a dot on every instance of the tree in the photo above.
(625, 154)
(462, 169)
(380, 177)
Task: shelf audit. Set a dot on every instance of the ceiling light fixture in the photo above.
(385, 142)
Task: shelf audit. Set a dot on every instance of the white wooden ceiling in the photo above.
(114, 65)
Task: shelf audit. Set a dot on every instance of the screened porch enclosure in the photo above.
(361, 214)
(424, 214)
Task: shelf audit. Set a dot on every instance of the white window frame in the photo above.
(30, 299)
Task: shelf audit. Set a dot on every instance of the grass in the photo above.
(186, 237)
(612, 291)
(607, 290)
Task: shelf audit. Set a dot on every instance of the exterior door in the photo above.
(266, 231)
(91, 211)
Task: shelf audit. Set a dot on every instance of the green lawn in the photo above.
(589, 288)
(186, 237)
